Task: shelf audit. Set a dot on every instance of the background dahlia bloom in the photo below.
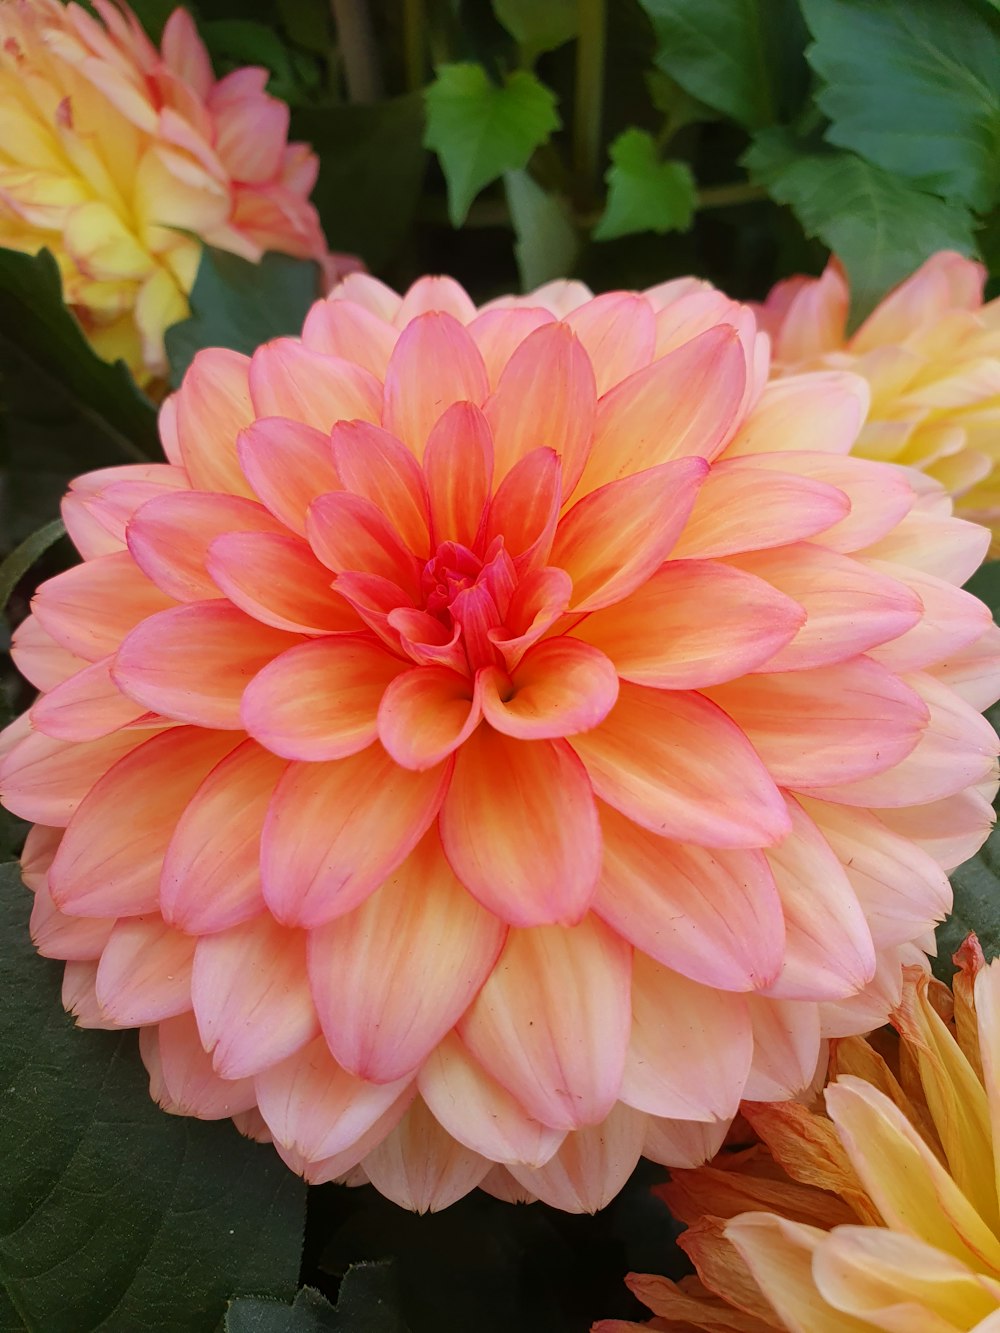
(931, 355)
(111, 151)
(882, 1214)
(497, 742)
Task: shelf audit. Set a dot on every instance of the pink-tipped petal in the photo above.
(286, 379)
(374, 464)
(591, 1166)
(251, 996)
(347, 330)
(440, 294)
(560, 687)
(335, 831)
(421, 1167)
(817, 410)
(618, 333)
(212, 406)
(393, 976)
(498, 334)
(39, 658)
(144, 974)
(525, 509)
(289, 465)
(277, 580)
(349, 533)
(425, 714)
(563, 1075)
(657, 757)
(90, 608)
(71, 938)
(85, 707)
(952, 620)
(435, 363)
(186, 1083)
(532, 858)
(45, 780)
(458, 464)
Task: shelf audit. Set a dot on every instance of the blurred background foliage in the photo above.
(506, 142)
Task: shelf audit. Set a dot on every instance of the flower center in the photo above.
(451, 569)
(472, 593)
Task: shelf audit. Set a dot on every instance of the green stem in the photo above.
(722, 196)
(358, 52)
(414, 27)
(588, 108)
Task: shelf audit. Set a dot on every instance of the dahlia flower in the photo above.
(122, 160)
(931, 355)
(881, 1214)
(497, 742)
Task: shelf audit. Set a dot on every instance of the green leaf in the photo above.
(368, 1302)
(14, 567)
(913, 86)
(538, 27)
(479, 130)
(37, 331)
(741, 57)
(372, 165)
(114, 1215)
(546, 243)
(880, 226)
(976, 885)
(645, 194)
(235, 42)
(240, 305)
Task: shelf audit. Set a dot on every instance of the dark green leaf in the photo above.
(645, 194)
(233, 42)
(480, 129)
(20, 560)
(37, 330)
(113, 1215)
(372, 165)
(546, 243)
(538, 27)
(739, 56)
(240, 305)
(977, 907)
(368, 1302)
(880, 226)
(913, 86)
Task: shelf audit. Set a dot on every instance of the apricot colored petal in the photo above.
(288, 464)
(278, 581)
(374, 464)
(664, 635)
(829, 951)
(144, 975)
(591, 1165)
(184, 53)
(972, 672)
(829, 725)
(786, 1049)
(458, 465)
(690, 1048)
(211, 868)
(819, 410)
(957, 748)
(498, 334)
(564, 1075)
(712, 916)
(938, 544)
(364, 290)
(71, 938)
(435, 294)
(314, 1108)
(546, 395)
(376, 600)
(90, 608)
(110, 860)
(44, 780)
(351, 534)
(169, 537)
(427, 713)
(79, 996)
(525, 509)
(335, 831)
(435, 363)
(394, 975)
(683, 1143)
(421, 1167)
(347, 330)
(613, 539)
(657, 757)
(540, 598)
(477, 1111)
(181, 1076)
(39, 658)
(193, 662)
(85, 707)
(212, 406)
(618, 333)
(952, 619)
(742, 507)
(532, 858)
(680, 406)
(319, 700)
(951, 829)
(560, 687)
(251, 996)
(286, 379)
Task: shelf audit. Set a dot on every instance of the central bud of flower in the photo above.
(471, 594)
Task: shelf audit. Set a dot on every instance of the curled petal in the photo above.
(426, 714)
(560, 687)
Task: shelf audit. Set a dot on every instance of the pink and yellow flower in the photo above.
(122, 160)
(931, 356)
(881, 1214)
(497, 742)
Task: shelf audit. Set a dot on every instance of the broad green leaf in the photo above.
(480, 129)
(546, 243)
(913, 86)
(14, 567)
(644, 194)
(114, 1215)
(372, 165)
(976, 885)
(742, 57)
(235, 42)
(880, 226)
(538, 27)
(368, 1302)
(240, 305)
(37, 331)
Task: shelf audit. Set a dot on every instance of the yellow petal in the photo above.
(102, 245)
(986, 991)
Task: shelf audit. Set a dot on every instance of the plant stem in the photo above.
(588, 108)
(722, 196)
(414, 25)
(358, 52)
